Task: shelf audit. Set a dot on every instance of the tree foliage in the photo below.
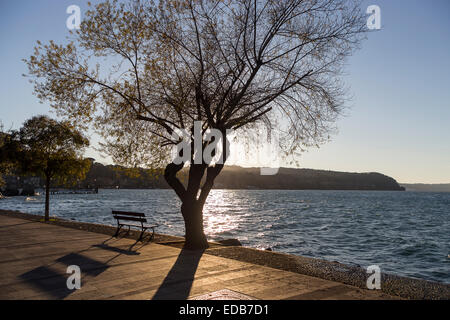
(49, 148)
(226, 63)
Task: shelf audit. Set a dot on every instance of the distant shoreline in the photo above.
(66, 191)
(426, 187)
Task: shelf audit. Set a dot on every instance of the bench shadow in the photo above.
(87, 265)
(54, 283)
(178, 281)
(47, 280)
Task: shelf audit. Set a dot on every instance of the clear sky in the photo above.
(399, 121)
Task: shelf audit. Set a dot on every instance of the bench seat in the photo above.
(133, 219)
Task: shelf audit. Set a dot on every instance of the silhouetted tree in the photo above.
(50, 149)
(242, 65)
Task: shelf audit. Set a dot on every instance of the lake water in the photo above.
(405, 233)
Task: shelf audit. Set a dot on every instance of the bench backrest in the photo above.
(130, 216)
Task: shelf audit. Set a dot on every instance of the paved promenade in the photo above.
(34, 258)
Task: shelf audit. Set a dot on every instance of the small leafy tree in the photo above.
(50, 149)
(142, 70)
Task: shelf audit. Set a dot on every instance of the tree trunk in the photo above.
(193, 197)
(191, 208)
(195, 238)
(47, 198)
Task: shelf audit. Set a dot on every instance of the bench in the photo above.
(139, 218)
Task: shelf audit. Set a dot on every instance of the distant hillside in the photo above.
(441, 187)
(231, 177)
(250, 178)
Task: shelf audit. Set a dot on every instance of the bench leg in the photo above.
(153, 234)
(142, 234)
(119, 226)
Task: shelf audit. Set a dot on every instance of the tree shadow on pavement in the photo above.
(178, 282)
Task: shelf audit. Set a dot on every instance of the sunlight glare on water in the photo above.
(216, 214)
